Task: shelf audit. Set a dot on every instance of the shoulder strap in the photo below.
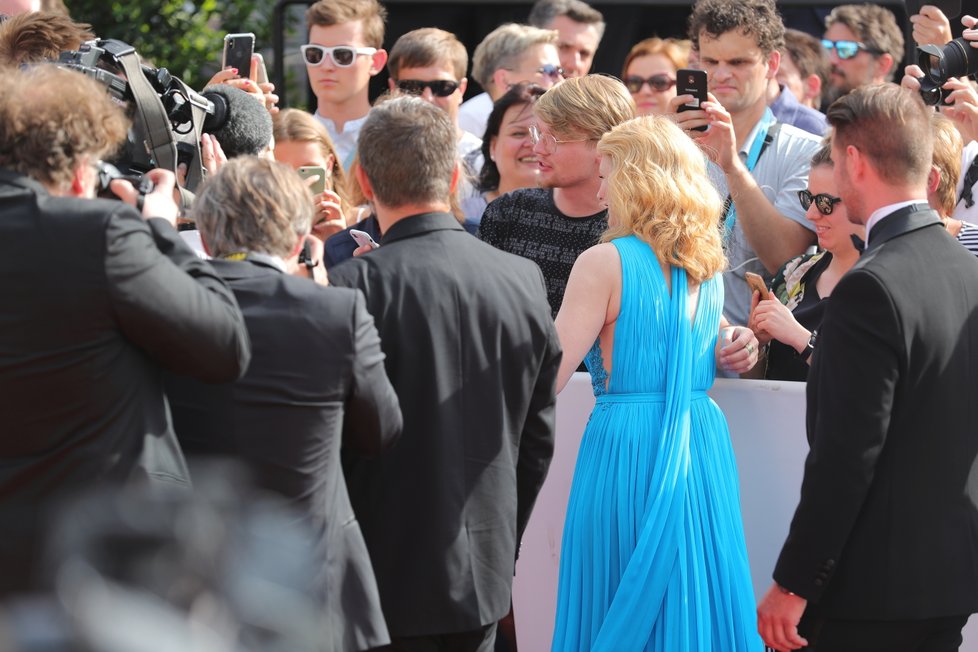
(970, 179)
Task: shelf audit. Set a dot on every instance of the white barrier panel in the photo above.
(767, 427)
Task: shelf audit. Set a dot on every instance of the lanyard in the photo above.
(264, 259)
(756, 149)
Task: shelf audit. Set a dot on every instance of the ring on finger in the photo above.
(750, 348)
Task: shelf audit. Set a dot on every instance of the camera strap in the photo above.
(150, 111)
(970, 179)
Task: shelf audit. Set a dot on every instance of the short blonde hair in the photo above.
(947, 159)
(337, 12)
(585, 107)
(658, 190)
(676, 50)
(253, 205)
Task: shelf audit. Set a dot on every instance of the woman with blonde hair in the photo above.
(301, 141)
(653, 554)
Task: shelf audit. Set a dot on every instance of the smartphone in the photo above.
(238, 49)
(262, 76)
(320, 186)
(756, 283)
(363, 238)
(690, 81)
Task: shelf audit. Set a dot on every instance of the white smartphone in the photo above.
(363, 238)
(238, 49)
(262, 76)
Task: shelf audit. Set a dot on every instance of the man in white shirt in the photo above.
(343, 53)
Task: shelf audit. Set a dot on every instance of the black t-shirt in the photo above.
(527, 223)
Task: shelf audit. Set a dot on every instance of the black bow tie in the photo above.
(858, 243)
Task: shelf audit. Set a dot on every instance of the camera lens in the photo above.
(956, 59)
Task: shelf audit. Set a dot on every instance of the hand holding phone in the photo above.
(362, 238)
(690, 81)
(238, 49)
(319, 186)
(756, 282)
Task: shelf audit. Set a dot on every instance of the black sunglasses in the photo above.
(659, 83)
(823, 202)
(439, 87)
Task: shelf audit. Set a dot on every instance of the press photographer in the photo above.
(97, 301)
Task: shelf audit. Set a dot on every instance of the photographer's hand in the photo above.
(931, 26)
(159, 202)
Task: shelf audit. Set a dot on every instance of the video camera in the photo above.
(167, 116)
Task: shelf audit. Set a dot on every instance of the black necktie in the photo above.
(858, 243)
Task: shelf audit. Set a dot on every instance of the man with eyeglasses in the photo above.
(510, 54)
(430, 63)
(553, 224)
(864, 45)
(343, 53)
(758, 163)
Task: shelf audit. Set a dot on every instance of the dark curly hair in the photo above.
(522, 93)
(755, 18)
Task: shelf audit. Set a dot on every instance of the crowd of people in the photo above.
(371, 308)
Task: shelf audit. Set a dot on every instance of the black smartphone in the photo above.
(690, 81)
(238, 49)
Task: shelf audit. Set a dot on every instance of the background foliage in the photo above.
(184, 36)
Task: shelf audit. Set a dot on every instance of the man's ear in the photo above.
(884, 64)
(500, 79)
(463, 83)
(773, 63)
(812, 86)
(364, 182)
(456, 175)
(378, 61)
(933, 179)
(79, 186)
(855, 163)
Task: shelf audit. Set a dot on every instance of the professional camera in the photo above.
(956, 59)
(167, 116)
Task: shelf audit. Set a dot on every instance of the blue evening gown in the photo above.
(653, 554)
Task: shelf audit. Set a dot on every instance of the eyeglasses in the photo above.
(342, 55)
(823, 202)
(439, 87)
(848, 49)
(548, 142)
(659, 83)
(555, 73)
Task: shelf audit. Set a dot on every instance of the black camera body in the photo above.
(167, 116)
(956, 59)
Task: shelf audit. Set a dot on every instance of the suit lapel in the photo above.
(903, 221)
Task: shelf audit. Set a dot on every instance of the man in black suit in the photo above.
(96, 301)
(473, 355)
(316, 382)
(882, 553)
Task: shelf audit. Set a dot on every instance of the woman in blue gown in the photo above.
(653, 554)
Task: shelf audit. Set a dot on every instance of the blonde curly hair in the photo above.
(657, 189)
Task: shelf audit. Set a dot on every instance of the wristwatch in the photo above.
(806, 353)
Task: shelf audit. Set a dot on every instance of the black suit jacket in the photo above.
(473, 354)
(316, 382)
(95, 303)
(887, 526)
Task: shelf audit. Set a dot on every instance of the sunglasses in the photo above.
(439, 87)
(658, 83)
(342, 55)
(848, 49)
(823, 202)
(552, 71)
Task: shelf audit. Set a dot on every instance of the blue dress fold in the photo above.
(653, 554)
